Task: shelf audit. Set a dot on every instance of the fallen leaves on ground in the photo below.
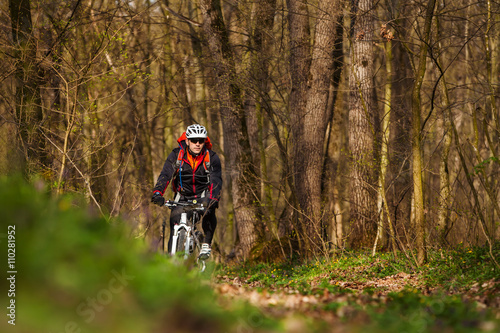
(353, 295)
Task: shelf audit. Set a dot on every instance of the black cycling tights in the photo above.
(208, 224)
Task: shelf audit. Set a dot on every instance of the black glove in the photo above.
(158, 199)
(209, 203)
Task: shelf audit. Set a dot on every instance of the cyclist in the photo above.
(194, 170)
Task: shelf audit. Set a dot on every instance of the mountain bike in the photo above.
(187, 239)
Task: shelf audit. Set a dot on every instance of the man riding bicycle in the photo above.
(195, 172)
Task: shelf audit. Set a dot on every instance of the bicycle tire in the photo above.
(181, 241)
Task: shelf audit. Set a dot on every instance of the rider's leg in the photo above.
(209, 224)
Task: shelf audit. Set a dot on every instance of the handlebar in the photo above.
(190, 204)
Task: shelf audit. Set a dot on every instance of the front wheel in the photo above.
(181, 240)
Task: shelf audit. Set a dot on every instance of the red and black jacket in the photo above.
(186, 181)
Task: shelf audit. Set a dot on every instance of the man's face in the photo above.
(196, 144)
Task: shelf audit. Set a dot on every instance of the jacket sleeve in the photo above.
(215, 177)
(166, 173)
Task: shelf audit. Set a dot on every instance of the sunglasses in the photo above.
(197, 140)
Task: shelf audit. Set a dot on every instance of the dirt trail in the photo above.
(290, 298)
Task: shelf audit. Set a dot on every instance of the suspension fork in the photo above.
(187, 242)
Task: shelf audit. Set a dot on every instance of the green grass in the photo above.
(461, 267)
(410, 311)
(303, 276)
(454, 269)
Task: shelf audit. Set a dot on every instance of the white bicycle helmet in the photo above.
(196, 131)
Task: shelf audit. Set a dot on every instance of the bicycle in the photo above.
(186, 238)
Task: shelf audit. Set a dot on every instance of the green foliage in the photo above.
(410, 311)
(303, 276)
(76, 272)
(274, 275)
(461, 267)
(479, 168)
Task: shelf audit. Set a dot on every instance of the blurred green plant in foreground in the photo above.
(77, 272)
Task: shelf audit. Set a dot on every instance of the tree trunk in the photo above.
(362, 109)
(256, 96)
(300, 60)
(492, 58)
(444, 175)
(236, 142)
(332, 188)
(399, 174)
(384, 154)
(29, 113)
(418, 167)
(310, 126)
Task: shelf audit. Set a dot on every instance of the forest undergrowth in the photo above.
(77, 272)
(458, 290)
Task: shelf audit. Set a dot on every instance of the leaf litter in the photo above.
(346, 296)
